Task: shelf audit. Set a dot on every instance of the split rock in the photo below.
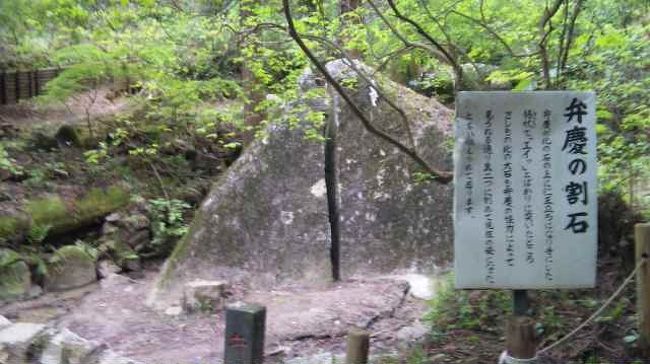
(266, 218)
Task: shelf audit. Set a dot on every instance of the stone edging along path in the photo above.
(24, 342)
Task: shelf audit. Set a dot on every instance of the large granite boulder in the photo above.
(266, 219)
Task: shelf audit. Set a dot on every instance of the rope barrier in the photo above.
(599, 311)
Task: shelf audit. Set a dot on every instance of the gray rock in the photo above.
(135, 222)
(66, 347)
(70, 267)
(15, 278)
(138, 238)
(412, 333)
(204, 296)
(266, 218)
(174, 311)
(4, 322)
(322, 358)
(16, 341)
(110, 357)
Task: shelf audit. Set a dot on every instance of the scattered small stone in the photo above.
(174, 311)
(35, 291)
(106, 268)
(204, 296)
(4, 322)
(412, 333)
(113, 217)
(70, 267)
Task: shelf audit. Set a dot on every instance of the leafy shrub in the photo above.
(167, 223)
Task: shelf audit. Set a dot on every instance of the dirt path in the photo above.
(301, 321)
(99, 103)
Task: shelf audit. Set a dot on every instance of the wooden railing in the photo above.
(20, 85)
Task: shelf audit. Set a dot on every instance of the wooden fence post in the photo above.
(3, 88)
(17, 85)
(520, 337)
(244, 339)
(358, 347)
(642, 239)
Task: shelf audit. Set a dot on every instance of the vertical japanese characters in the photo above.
(575, 143)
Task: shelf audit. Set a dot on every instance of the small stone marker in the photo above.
(358, 346)
(204, 296)
(244, 339)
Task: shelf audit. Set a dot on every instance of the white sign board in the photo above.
(525, 204)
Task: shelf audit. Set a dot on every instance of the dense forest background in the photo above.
(155, 98)
(182, 54)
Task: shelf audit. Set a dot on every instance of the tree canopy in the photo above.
(181, 54)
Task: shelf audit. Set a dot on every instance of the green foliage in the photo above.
(37, 233)
(457, 309)
(10, 226)
(167, 223)
(7, 163)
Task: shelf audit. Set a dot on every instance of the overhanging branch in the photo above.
(440, 176)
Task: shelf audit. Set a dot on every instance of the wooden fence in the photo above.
(20, 85)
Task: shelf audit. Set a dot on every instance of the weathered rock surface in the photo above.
(204, 296)
(70, 267)
(15, 278)
(266, 218)
(4, 322)
(15, 341)
(24, 342)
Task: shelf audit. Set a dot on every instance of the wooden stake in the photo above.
(520, 337)
(642, 239)
(358, 346)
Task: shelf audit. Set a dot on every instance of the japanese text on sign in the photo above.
(525, 186)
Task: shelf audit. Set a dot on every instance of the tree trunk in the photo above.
(331, 183)
(252, 94)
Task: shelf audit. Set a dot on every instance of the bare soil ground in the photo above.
(99, 103)
(301, 320)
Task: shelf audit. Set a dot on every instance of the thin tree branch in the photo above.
(493, 32)
(544, 34)
(367, 79)
(569, 40)
(439, 55)
(440, 176)
(451, 60)
(391, 56)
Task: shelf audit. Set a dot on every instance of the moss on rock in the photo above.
(15, 278)
(70, 267)
(53, 213)
(12, 227)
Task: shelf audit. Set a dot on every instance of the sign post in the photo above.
(245, 326)
(525, 204)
